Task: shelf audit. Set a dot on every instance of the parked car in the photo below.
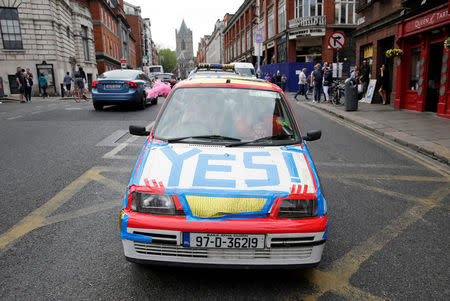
(225, 179)
(120, 87)
(244, 69)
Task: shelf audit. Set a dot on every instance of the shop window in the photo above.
(414, 68)
(10, 28)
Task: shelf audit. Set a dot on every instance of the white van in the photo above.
(244, 69)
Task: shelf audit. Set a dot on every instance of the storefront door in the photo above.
(434, 76)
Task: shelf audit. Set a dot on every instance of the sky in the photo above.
(200, 16)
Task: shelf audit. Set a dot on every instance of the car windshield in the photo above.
(119, 74)
(225, 115)
(245, 71)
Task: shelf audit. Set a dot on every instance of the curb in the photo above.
(402, 142)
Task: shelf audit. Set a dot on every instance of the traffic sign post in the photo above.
(123, 64)
(337, 41)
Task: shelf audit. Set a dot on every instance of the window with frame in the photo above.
(270, 23)
(84, 33)
(344, 11)
(10, 28)
(248, 39)
(281, 15)
(308, 8)
(414, 68)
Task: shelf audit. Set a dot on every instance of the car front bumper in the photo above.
(281, 250)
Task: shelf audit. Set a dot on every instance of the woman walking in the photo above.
(383, 84)
(43, 83)
(27, 84)
(327, 80)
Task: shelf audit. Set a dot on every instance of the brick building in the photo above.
(292, 30)
(201, 51)
(417, 80)
(133, 14)
(48, 36)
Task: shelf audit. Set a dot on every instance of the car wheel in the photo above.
(143, 102)
(154, 101)
(98, 107)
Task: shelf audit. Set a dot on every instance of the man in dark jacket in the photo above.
(316, 81)
(364, 72)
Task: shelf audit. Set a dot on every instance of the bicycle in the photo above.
(337, 92)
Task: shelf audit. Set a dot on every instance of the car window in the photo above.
(119, 74)
(246, 71)
(244, 114)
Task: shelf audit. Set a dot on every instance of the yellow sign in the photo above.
(368, 51)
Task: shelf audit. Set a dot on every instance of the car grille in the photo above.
(159, 249)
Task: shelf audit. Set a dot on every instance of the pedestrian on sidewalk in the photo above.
(68, 82)
(383, 84)
(302, 84)
(364, 73)
(19, 81)
(283, 82)
(27, 84)
(316, 81)
(327, 81)
(278, 79)
(80, 78)
(43, 83)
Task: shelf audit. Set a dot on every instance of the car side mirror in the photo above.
(311, 136)
(138, 130)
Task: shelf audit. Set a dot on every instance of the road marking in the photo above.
(112, 139)
(15, 117)
(366, 165)
(73, 109)
(40, 216)
(422, 160)
(36, 112)
(113, 153)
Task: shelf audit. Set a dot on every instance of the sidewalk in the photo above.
(15, 99)
(421, 131)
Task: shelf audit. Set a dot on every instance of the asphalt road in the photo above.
(64, 169)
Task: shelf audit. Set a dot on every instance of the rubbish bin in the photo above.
(351, 96)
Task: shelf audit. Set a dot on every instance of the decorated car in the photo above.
(225, 179)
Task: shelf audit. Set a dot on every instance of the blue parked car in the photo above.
(119, 87)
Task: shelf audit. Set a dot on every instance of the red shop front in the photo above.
(423, 69)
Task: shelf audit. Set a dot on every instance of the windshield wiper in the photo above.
(260, 139)
(220, 137)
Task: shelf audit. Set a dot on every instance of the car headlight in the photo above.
(298, 208)
(154, 204)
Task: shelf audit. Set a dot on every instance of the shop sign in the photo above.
(270, 44)
(314, 32)
(427, 20)
(368, 51)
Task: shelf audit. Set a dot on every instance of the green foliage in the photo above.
(168, 59)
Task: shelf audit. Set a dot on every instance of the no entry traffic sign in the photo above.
(336, 40)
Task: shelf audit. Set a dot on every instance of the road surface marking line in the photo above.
(337, 277)
(15, 117)
(38, 217)
(112, 139)
(422, 160)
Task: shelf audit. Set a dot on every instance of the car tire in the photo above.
(154, 101)
(98, 107)
(143, 102)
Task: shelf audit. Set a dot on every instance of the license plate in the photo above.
(226, 241)
(113, 86)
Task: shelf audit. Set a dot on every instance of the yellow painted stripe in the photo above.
(203, 206)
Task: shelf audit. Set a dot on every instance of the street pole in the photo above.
(258, 68)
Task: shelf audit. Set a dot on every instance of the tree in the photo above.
(168, 59)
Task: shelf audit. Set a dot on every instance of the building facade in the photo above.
(290, 30)
(51, 37)
(134, 19)
(201, 50)
(214, 47)
(147, 43)
(184, 50)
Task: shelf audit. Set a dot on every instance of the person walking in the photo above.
(80, 78)
(364, 72)
(68, 82)
(327, 81)
(283, 82)
(383, 84)
(316, 81)
(43, 83)
(19, 81)
(302, 84)
(278, 79)
(27, 84)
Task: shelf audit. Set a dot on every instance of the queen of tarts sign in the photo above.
(428, 20)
